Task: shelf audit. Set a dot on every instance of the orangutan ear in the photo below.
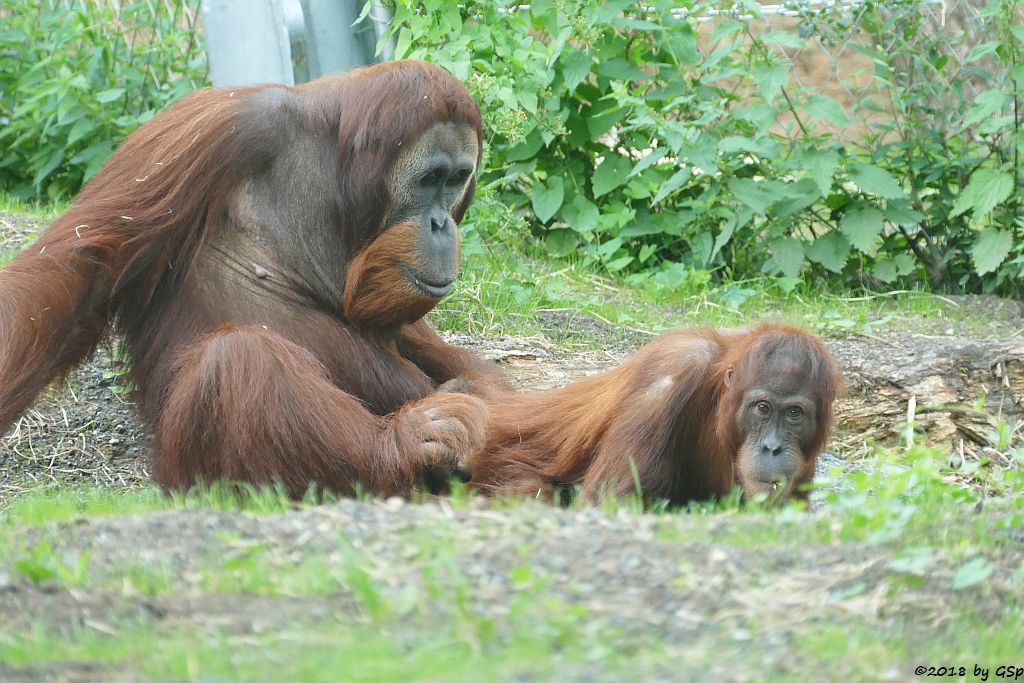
(727, 380)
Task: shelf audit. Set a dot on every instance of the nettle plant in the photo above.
(77, 77)
(953, 138)
(673, 153)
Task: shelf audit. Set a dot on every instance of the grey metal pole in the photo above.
(290, 41)
(247, 42)
(337, 44)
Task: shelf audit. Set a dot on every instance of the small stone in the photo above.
(114, 441)
(741, 635)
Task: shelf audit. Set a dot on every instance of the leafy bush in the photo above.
(76, 77)
(662, 152)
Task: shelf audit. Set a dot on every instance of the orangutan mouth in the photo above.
(431, 286)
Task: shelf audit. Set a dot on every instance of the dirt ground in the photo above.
(719, 611)
(963, 375)
(965, 380)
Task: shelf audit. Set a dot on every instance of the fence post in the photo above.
(247, 42)
(336, 44)
(290, 41)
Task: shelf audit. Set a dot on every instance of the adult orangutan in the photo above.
(689, 415)
(268, 254)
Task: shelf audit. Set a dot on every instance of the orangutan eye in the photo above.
(794, 413)
(431, 178)
(763, 407)
(459, 177)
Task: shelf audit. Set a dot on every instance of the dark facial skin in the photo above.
(777, 421)
(426, 183)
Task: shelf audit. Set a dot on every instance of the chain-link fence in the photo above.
(867, 56)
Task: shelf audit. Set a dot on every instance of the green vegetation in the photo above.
(645, 142)
(501, 293)
(642, 171)
(659, 147)
(334, 652)
(898, 534)
(77, 77)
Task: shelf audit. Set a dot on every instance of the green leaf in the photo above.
(701, 246)
(34, 570)
(900, 212)
(682, 43)
(874, 180)
(971, 573)
(647, 251)
(794, 198)
(987, 188)
(825, 108)
(986, 105)
(991, 249)
(672, 184)
(69, 110)
(581, 215)
(885, 271)
(982, 50)
(784, 38)
(758, 195)
(560, 242)
(528, 100)
(726, 29)
(788, 284)
(652, 158)
(526, 149)
(555, 47)
(56, 157)
(862, 224)
(788, 254)
(912, 560)
(672, 275)
(620, 69)
(547, 198)
(703, 154)
(888, 269)
(576, 68)
(651, 224)
(761, 116)
(612, 173)
(831, 251)
(736, 144)
(822, 165)
(602, 116)
(770, 80)
(618, 264)
(607, 249)
(904, 263)
(728, 228)
(81, 129)
(97, 155)
(110, 95)
(639, 25)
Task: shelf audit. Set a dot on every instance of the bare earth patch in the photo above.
(966, 393)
